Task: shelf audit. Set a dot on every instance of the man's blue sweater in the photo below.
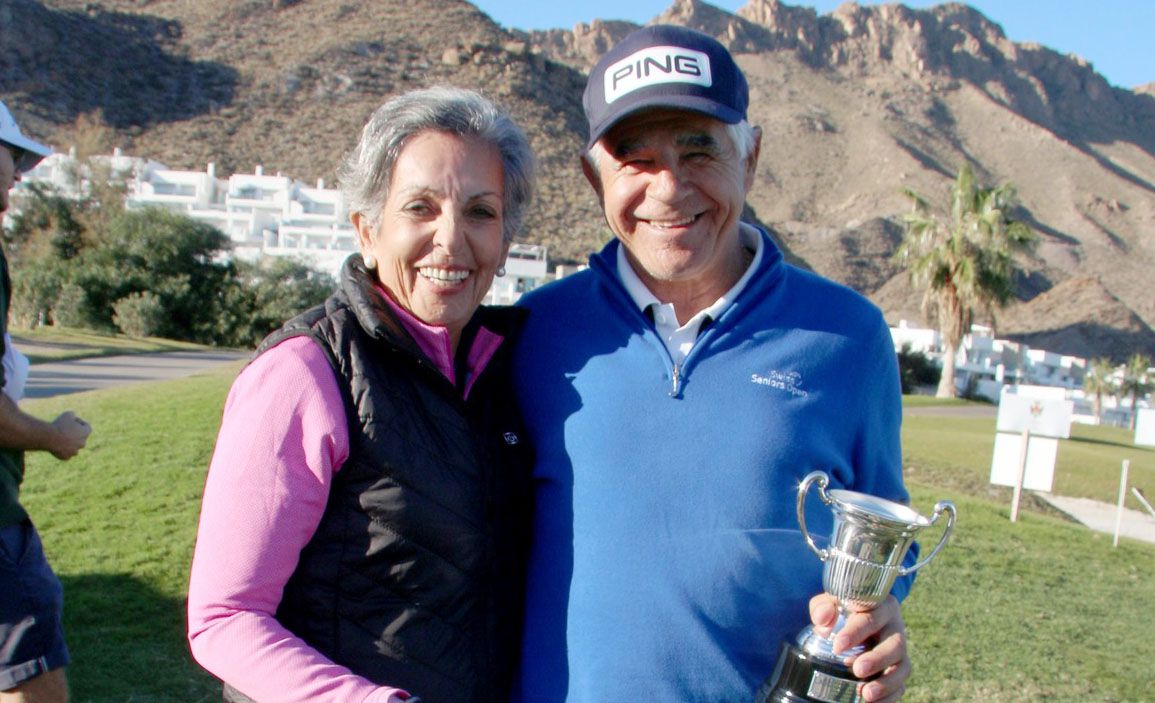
(667, 563)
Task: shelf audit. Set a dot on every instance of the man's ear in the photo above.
(592, 176)
(752, 158)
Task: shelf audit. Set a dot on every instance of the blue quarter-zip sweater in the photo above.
(667, 563)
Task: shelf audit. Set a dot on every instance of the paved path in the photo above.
(61, 377)
(1093, 514)
(969, 410)
(1101, 517)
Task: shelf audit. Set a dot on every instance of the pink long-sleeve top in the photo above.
(282, 439)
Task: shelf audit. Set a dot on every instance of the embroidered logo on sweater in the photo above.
(511, 438)
(788, 381)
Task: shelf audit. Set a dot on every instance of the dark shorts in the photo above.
(31, 608)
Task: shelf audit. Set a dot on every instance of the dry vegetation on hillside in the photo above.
(854, 105)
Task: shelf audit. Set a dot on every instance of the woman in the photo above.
(363, 526)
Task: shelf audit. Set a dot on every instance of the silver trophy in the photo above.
(870, 539)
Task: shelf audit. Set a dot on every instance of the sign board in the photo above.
(1040, 416)
(1039, 474)
(1145, 427)
(1039, 392)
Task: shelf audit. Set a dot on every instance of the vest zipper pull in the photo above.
(676, 376)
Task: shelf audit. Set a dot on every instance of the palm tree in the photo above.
(962, 258)
(1137, 381)
(1100, 381)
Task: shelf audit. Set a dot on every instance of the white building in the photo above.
(989, 366)
(526, 268)
(262, 215)
(989, 363)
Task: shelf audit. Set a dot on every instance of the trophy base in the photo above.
(806, 677)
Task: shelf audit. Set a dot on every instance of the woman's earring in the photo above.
(370, 261)
(500, 271)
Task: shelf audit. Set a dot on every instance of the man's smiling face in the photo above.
(673, 185)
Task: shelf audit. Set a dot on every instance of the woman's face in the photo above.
(439, 241)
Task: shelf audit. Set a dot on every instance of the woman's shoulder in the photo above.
(296, 365)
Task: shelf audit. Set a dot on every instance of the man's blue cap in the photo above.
(31, 151)
(664, 66)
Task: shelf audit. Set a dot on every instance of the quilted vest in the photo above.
(414, 577)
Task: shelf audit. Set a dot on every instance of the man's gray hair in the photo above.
(742, 136)
(367, 170)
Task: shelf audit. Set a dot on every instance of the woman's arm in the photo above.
(282, 437)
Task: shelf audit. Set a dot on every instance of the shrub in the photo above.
(916, 369)
(71, 308)
(139, 314)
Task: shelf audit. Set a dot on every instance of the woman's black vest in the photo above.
(414, 577)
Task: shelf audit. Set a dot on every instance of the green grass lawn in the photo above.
(118, 523)
(58, 344)
(1039, 610)
(956, 453)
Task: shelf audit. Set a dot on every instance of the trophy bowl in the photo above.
(870, 538)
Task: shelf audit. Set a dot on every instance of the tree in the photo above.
(265, 294)
(1099, 381)
(90, 263)
(1137, 381)
(45, 220)
(915, 369)
(962, 258)
(45, 235)
(167, 254)
(103, 188)
(35, 290)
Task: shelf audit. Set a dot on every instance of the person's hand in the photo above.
(71, 435)
(882, 631)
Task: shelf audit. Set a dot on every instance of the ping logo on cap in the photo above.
(656, 65)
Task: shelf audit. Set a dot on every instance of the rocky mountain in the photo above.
(286, 85)
(854, 106)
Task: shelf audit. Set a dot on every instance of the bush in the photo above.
(34, 293)
(71, 306)
(93, 265)
(916, 369)
(139, 314)
(263, 295)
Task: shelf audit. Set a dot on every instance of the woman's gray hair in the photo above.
(367, 171)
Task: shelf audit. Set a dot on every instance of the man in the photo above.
(677, 392)
(32, 649)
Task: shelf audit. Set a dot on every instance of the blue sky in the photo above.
(1114, 35)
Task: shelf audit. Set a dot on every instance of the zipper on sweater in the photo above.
(615, 285)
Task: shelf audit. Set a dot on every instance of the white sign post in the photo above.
(1026, 443)
(1142, 499)
(1122, 497)
(1020, 474)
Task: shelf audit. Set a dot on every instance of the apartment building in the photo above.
(261, 214)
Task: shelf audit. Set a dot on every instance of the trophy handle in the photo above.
(822, 480)
(939, 508)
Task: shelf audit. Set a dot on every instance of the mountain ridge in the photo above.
(854, 105)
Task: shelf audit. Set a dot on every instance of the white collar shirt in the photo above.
(679, 340)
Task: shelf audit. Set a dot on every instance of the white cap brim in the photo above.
(10, 134)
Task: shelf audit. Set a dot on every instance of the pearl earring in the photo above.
(500, 272)
(370, 261)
